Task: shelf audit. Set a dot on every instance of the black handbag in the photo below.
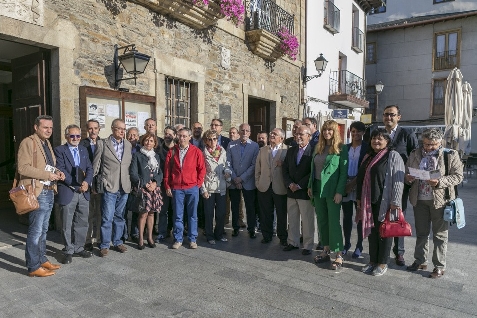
(138, 202)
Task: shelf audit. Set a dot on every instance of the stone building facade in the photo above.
(74, 41)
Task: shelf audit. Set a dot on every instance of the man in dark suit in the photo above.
(217, 125)
(296, 174)
(94, 216)
(356, 151)
(404, 141)
(73, 195)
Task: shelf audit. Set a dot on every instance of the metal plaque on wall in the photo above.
(225, 113)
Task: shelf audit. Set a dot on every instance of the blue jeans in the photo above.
(112, 217)
(35, 249)
(188, 199)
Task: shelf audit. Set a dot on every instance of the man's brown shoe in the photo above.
(400, 260)
(436, 273)
(415, 267)
(51, 267)
(103, 252)
(41, 272)
(121, 248)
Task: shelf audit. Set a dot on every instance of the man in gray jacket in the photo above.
(111, 163)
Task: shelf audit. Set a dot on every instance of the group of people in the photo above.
(190, 179)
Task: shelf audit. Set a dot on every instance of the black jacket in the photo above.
(87, 144)
(299, 174)
(140, 172)
(404, 142)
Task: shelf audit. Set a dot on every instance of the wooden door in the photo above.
(258, 116)
(30, 97)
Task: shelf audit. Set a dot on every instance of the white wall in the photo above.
(320, 40)
(401, 9)
(404, 65)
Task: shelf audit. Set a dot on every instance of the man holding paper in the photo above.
(73, 195)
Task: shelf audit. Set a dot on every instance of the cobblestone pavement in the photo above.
(242, 277)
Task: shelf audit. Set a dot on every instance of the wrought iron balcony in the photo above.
(446, 60)
(332, 17)
(347, 89)
(358, 40)
(267, 15)
(264, 19)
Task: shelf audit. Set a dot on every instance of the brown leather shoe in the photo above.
(436, 273)
(103, 252)
(41, 272)
(51, 267)
(400, 260)
(415, 267)
(121, 248)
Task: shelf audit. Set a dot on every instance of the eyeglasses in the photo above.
(75, 136)
(211, 139)
(119, 128)
(245, 130)
(273, 134)
(302, 134)
(389, 115)
(213, 125)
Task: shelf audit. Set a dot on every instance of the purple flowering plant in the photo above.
(232, 9)
(289, 43)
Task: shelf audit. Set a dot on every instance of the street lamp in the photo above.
(132, 61)
(320, 65)
(379, 86)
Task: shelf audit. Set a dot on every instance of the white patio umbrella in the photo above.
(453, 109)
(464, 140)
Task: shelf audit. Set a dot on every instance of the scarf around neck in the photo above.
(366, 213)
(215, 153)
(151, 155)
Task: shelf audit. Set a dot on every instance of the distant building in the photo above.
(411, 47)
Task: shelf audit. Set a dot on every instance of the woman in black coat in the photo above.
(146, 176)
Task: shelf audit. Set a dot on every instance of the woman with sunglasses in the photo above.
(214, 187)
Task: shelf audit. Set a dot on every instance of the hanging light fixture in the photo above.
(320, 65)
(132, 61)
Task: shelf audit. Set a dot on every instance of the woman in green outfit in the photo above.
(329, 172)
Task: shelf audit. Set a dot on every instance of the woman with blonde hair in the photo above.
(326, 187)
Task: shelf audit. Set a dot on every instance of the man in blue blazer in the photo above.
(241, 157)
(73, 195)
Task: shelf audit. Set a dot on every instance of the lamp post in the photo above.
(132, 61)
(320, 65)
(379, 86)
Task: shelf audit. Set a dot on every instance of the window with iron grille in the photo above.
(370, 53)
(381, 9)
(446, 50)
(178, 108)
(438, 96)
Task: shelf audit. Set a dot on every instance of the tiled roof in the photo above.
(424, 19)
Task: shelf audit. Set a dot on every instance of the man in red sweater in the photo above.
(184, 172)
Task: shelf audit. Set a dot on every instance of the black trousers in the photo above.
(348, 225)
(398, 248)
(379, 248)
(268, 201)
(249, 199)
(214, 205)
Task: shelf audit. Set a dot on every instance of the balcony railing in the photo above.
(347, 83)
(332, 17)
(358, 40)
(446, 60)
(267, 15)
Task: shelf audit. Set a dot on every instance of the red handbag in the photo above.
(395, 228)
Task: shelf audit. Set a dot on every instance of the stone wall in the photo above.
(102, 24)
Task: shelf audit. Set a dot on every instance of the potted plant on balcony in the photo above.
(232, 9)
(288, 43)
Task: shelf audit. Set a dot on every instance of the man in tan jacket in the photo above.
(36, 163)
(271, 188)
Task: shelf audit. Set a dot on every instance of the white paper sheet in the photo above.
(424, 175)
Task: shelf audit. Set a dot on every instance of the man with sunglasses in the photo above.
(403, 141)
(73, 195)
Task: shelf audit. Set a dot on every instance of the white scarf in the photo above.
(151, 155)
